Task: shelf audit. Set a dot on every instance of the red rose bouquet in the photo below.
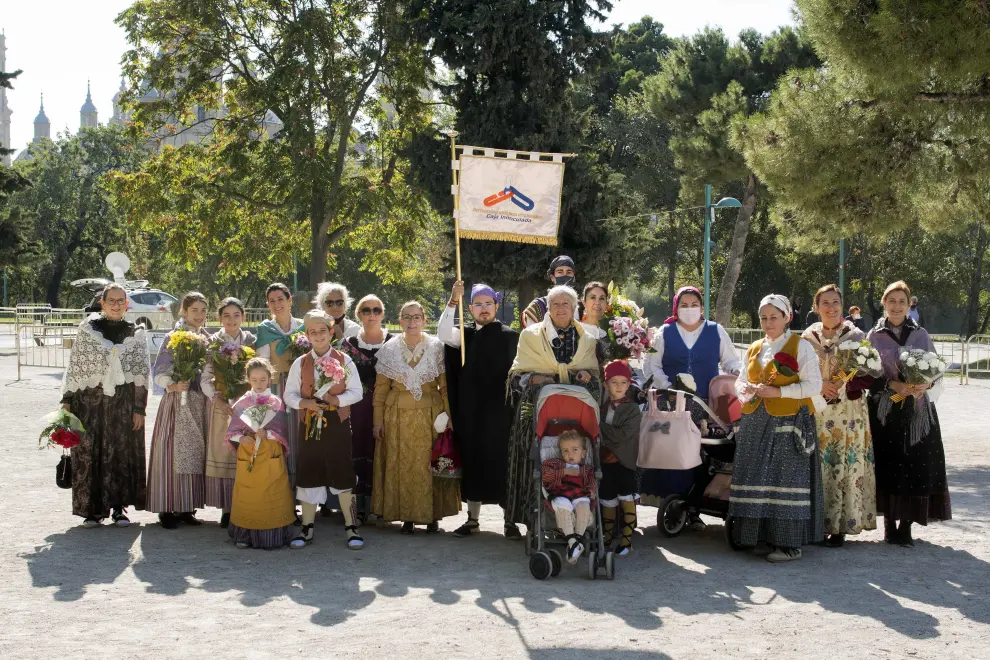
(62, 429)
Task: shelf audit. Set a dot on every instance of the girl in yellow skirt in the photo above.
(262, 510)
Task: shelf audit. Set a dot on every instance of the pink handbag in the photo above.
(668, 440)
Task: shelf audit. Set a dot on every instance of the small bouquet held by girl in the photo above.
(331, 378)
(257, 414)
(229, 361)
(919, 367)
(627, 331)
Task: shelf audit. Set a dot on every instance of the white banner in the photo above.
(502, 199)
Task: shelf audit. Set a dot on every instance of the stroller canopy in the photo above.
(561, 407)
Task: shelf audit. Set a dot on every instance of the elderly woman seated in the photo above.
(556, 350)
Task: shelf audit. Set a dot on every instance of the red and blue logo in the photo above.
(510, 192)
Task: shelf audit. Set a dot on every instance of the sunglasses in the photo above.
(371, 310)
(333, 303)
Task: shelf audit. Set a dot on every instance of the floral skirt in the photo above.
(848, 475)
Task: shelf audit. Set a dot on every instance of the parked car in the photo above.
(149, 307)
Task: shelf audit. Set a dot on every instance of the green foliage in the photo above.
(342, 80)
(75, 221)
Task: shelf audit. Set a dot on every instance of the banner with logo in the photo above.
(508, 199)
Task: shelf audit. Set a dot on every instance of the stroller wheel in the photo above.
(592, 565)
(730, 523)
(557, 561)
(610, 565)
(540, 565)
(672, 516)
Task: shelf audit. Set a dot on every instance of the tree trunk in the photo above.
(972, 321)
(62, 264)
(319, 243)
(723, 305)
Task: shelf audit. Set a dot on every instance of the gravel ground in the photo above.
(148, 592)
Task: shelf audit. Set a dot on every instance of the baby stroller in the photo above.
(559, 408)
(707, 487)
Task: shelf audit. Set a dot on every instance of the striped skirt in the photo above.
(776, 495)
(170, 491)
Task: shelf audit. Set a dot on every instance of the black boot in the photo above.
(904, 532)
(225, 519)
(890, 534)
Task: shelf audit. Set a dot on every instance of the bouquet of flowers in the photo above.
(445, 460)
(329, 373)
(919, 367)
(858, 358)
(782, 364)
(62, 429)
(229, 360)
(260, 412)
(627, 332)
(299, 344)
(188, 351)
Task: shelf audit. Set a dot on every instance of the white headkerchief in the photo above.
(778, 301)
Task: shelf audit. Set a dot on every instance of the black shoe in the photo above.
(189, 518)
(168, 520)
(890, 533)
(835, 540)
(512, 532)
(433, 528)
(904, 534)
(225, 519)
(468, 528)
(407, 528)
(120, 518)
(92, 521)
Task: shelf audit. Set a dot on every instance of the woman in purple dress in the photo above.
(363, 349)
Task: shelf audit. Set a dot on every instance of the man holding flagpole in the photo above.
(476, 391)
(561, 272)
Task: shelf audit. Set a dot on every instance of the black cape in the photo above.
(482, 417)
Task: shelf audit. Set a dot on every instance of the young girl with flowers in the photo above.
(223, 382)
(262, 511)
(322, 385)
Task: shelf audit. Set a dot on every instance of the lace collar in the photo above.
(392, 363)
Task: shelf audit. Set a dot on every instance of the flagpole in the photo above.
(452, 134)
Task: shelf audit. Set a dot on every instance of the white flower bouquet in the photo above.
(920, 367)
(858, 358)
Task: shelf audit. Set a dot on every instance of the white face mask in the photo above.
(689, 315)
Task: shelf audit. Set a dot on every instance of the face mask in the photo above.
(563, 279)
(856, 317)
(689, 315)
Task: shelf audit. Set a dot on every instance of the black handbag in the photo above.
(63, 472)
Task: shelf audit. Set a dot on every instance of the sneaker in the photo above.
(120, 518)
(189, 518)
(574, 551)
(241, 545)
(468, 528)
(305, 536)
(623, 550)
(781, 555)
(92, 521)
(168, 520)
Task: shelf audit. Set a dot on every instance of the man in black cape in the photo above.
(476, 391)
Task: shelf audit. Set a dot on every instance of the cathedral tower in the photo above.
(87, 113)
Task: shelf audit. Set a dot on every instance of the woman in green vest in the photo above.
(776, 502)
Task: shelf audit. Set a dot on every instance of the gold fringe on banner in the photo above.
(505, 236)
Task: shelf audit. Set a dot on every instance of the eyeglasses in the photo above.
(111, 302)
(412, 317)
(484, 305)
(333, 303)
(371, 310)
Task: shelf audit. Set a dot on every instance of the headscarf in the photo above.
(485, 290)
(778, 301)
(677, 299)
(562, 260)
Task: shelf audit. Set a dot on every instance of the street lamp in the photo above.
(724, 203)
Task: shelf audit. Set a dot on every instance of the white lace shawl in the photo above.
(96, 361)
(392, 363)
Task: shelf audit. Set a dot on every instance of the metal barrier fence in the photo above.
(44, 336)
(977, 356)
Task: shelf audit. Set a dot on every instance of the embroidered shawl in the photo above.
(392, 364)
(97, 362)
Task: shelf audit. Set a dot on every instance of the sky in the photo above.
(60, 44)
